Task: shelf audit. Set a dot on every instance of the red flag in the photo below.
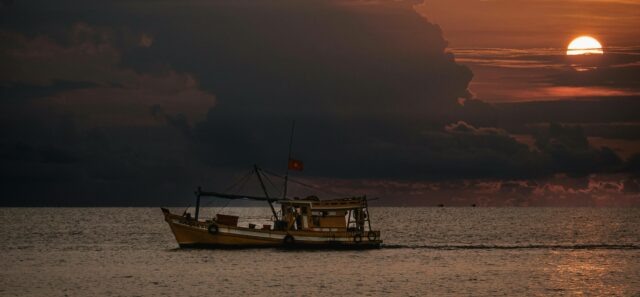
(296, 165)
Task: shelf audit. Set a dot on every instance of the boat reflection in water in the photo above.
(300, 223)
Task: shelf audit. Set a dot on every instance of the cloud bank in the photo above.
(102, 108)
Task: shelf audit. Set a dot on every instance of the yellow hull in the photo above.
(189, 233)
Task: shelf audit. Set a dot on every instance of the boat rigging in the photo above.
(301, 223)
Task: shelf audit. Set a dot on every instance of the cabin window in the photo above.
(320, 213)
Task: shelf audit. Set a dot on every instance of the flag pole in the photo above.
(286, 175)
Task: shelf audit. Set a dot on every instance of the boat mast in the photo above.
(264, 189)
(198, 202)
(286, 175)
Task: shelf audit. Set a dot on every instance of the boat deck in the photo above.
(207, 234)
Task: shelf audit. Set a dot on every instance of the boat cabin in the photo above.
(348, 214)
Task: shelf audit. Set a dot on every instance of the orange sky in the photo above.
(534, 23)
(516, 48)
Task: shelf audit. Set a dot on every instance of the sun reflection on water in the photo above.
(589, 273)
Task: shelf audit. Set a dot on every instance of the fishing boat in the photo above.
(299, 223)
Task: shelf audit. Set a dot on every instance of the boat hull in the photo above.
(192, 234)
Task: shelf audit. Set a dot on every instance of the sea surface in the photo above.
(426, 252)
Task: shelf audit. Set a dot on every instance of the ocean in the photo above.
(426, 252)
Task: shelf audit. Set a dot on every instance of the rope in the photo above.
(272, 184)
(309, 185)
(242, 181)
(239, 183)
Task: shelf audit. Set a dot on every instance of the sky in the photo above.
(459, 102)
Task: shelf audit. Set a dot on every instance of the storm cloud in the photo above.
(132, 103)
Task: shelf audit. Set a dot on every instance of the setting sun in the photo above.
(584, 45)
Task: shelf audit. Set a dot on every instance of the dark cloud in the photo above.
(515, 116)
(113, 103)
(617, 69)
(88, 56)
(549, 74)
(19, 93)
(178, 121)
(627, 131)
(364, 148)
(133, 103)
(84, 78)
(395, 149)
(26, 153)
(307, 58)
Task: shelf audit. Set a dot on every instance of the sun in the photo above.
(584, 45)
